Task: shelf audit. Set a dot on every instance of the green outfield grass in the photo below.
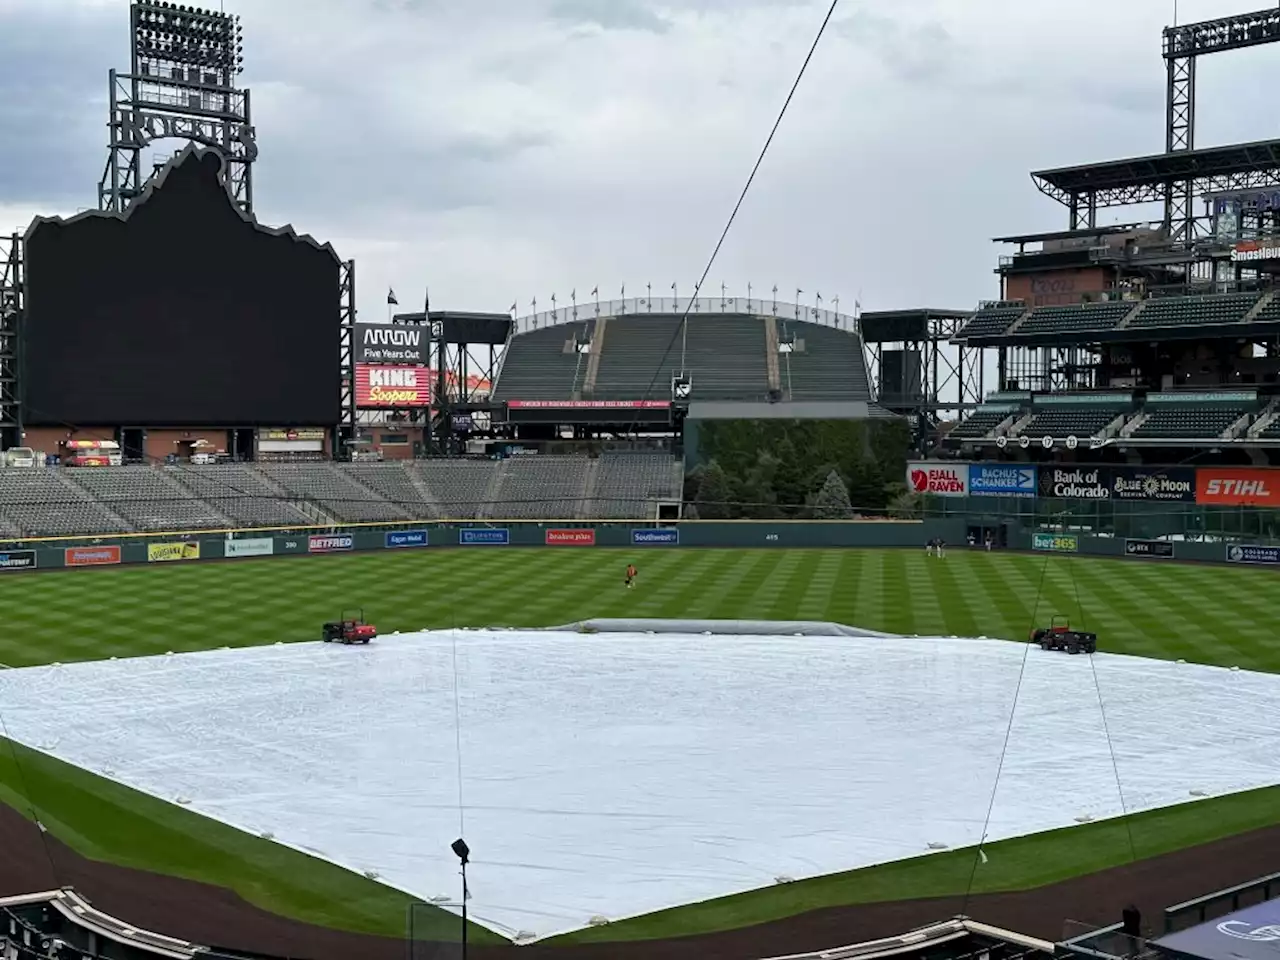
(1199, 613)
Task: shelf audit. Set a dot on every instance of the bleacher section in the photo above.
(541, 487)
(980, 423)
(725, 355)
(41, 503)
(632, 365)
(537, 366)
(1176, 418)
(1073, 420)
(459, 486)
(628, 483)
(827, 365)
(991, 320)
(147, 499)
(333, 491)
(1194, 311)
(1075, 318)
(394, 482)
(240, 493)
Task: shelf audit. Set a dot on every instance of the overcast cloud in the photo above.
(505, 149)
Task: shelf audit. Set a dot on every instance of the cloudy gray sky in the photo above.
(505, 149)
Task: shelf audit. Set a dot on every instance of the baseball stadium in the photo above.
(717, 627)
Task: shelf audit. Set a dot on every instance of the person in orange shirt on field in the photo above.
(631, 575)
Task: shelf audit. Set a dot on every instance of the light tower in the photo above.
(181, 85)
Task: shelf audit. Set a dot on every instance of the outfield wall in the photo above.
(790, 534)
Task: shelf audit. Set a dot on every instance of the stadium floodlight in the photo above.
(463, 853)
(182, 36)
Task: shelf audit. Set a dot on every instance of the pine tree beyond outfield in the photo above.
(772, 469)
(832, 501)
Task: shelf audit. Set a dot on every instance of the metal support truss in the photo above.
(11, 316)
(345, 433)
(183, 89)
(1180, 135)
(459, 369)
(952, 375)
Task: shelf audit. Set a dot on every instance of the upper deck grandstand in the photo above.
(1156, 337)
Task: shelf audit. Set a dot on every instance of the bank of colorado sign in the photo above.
(1074, 483)
(938, 478)
(379, 385)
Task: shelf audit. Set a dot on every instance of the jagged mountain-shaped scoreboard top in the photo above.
(181, 311)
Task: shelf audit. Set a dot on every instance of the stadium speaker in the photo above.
(1131, 921)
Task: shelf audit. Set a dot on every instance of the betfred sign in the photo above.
(330, 543)
(91, 556)
(384, 386)
(1074, 483)
(571, 538)
(1238, 487)
(386, 343)
(938, 479)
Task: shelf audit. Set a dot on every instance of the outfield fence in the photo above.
(195, 546)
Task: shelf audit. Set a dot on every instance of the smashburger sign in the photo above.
(1074, 483)
(938, 478)
(379, 385)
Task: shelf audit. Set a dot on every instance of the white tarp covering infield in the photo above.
(612, 775)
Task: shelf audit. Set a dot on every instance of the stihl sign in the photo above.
(1238, 487)
(939, 479)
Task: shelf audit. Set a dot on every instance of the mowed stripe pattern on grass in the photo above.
(1199, 613)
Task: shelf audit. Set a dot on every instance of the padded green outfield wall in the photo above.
(568, 535)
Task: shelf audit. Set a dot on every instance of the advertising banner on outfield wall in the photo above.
(643, 538)
(483, 537)
(1238, 486)
(1002, 480)
(1162, 549)
(254, 547)
(571, 538)
(17, 560)
(1075, 483)
(938, 478)
(1168, 485)
(330, 543)
(1055, 542)
(166, 552)
(407, 538)
(1252, 553)
(91, 556)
